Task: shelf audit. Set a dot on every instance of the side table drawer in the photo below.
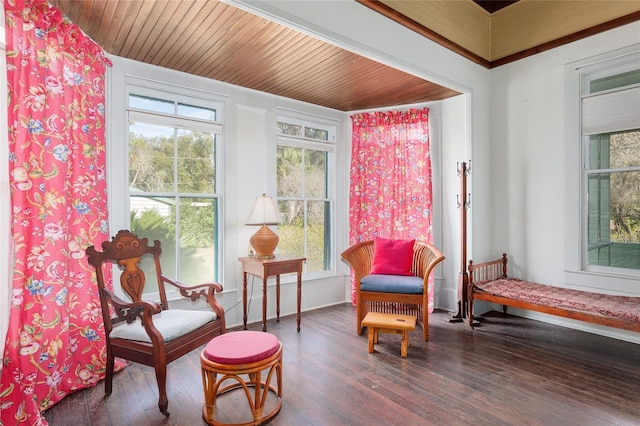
(283, 268)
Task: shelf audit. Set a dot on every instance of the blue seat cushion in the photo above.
(391, 284)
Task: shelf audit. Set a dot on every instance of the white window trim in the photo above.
(174, 121)
(608, 280)
(117, 148)
(331, 125)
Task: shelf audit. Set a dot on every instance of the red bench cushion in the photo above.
(606, 305)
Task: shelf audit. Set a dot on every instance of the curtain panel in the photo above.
(390, 178)
(55, 75)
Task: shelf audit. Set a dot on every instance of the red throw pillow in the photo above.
(392, 257)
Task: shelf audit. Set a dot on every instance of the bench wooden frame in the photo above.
(497, 269)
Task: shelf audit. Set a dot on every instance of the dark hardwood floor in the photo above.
(509, 371)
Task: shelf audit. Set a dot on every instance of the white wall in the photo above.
(514, 136)
(500, 123)
(455, 138)
(249, 147)
(355, 27)
(529, 136)
(249, 152)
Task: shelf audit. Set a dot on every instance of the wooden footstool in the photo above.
(389, 323)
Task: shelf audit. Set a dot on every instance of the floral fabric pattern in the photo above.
(606, 305)
(55, 344)
(390, 190)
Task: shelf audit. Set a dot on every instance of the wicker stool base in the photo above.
(220, 380)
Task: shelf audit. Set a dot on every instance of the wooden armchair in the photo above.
(144, 331)
(425, 257)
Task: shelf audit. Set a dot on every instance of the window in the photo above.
(174, 181)
(610, 109)
(304, 190)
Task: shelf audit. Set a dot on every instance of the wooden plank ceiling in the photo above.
(506, 30)
(218, 41)
(214, 40)
(494, 5)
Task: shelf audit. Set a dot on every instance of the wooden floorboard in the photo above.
(508, 371)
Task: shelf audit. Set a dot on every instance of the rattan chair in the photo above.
(425, 257)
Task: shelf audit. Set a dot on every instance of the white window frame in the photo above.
(134, 85)
(331, 126)
(577, 272)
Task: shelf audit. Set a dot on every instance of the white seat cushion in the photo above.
(171, 323)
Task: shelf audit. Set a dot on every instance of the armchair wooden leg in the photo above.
(360, 314)
(161, 378)
(108, 375)
(425, 324)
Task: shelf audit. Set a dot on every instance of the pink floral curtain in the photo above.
(390, 193)
(55, 343)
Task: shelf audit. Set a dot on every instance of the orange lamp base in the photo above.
(264, 242)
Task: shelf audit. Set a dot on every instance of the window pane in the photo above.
(172, 184)
(318, 134)
(315, 174)
(318, 230)
(151, 157)
(292, 232)
(303, 175)
(625, 149)
(614, 219)
(614, 150)
(198, 236)
(291, 229)
(289, 172)
(290, 129)
(599, 208)
(196, 162)
(599, 151)
(197, 112)
(151, 104)
(153, 218)
(615, 81)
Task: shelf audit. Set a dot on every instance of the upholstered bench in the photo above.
(241, 357)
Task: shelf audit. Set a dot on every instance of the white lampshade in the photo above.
(263, 212)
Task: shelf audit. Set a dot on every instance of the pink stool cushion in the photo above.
(241, 347)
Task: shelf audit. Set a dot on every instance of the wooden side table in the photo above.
(265, 268)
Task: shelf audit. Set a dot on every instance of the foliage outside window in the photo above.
(612, 169)
(304, 154)
(173, 184)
